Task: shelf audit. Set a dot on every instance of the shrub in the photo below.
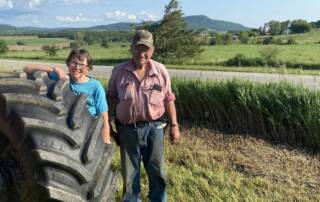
(216, 39)
(50, 50)
(20, 43)
(278, 41)
(291, 42)
(105, 43)
(74, 45)
(3, 47)
(244, 37)
(270, 55)
(267, 40)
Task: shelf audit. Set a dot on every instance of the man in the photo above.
(141, 90)
(79, 64)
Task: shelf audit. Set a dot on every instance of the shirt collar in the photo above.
(153, 71)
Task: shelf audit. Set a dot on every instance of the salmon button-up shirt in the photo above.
(140, 100)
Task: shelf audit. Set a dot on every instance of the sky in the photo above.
(86, 13)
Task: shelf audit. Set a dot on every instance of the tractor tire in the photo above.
(50, 146)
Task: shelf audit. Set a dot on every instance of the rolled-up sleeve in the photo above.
(169, 95)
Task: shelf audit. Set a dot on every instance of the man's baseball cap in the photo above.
(143, 37)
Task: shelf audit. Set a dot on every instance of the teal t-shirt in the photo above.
(96, 100)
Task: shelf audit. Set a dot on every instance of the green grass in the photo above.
(304, 38)
(33, 40)
(276, 111)
(208, 166)
(101, 56)
(271, 70)
(304, 54)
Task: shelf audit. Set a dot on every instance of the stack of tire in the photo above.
(50, 146)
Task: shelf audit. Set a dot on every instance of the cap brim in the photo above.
(143, 43)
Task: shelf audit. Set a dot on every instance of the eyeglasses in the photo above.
(142, 49)
(76, 64)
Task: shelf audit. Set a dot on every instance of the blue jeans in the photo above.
(146, 144)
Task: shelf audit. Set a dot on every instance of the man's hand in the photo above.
(174, 134)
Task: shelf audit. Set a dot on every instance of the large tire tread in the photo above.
(62, 155)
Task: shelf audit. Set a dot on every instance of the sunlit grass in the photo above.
(208, 166)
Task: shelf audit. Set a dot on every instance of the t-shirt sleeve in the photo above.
(100, 99)
(53, 76)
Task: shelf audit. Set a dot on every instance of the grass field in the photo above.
(32, 40)
(300, 53)
(305, 53)
(306, 38)
(209, 166)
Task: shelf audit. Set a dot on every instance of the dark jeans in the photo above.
(146, 143)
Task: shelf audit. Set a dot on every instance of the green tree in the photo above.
(300, 26)
(90, 38)
(105, 42)
(3, 47)
(174, 41)
(244, 37)
(50, 50)
(74, 45)
(274, 27)
(285, 26)
(79, 38)
(216, 39)
(227, 38)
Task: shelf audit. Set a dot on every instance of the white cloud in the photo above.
(145, 16)
(117, 16)
(33, 3)
(70, 2)
(6, 3)
(120, 16)
(77, 19)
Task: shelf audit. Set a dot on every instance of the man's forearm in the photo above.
(172, 114)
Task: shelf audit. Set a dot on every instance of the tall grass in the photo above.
(278, 111)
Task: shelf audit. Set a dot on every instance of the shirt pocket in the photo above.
(156, 98)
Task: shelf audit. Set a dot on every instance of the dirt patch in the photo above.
(255, 157)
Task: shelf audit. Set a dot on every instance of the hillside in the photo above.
(195, 22)
(203, 22)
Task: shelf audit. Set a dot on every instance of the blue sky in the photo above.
(84, 13)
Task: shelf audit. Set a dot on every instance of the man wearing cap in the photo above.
(141, 90)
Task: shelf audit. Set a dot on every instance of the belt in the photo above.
(139, 124)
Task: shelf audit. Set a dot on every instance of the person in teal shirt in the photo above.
(79, 64)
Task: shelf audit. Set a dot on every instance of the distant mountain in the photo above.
(7, 29)
(203, 22)
(122, 26)
(194, 22)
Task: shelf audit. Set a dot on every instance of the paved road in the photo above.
(105, 71)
